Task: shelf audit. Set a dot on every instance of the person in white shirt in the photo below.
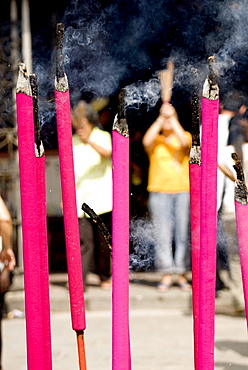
(92, 151)
(232, 104)
(237, 143)
(7, 259)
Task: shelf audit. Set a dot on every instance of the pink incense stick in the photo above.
(43, 244)
(69, 209)
(68, 186)
(42, 227)
(121, 357)
(241, 224)
(241, 210)
(30, 226)
(72, 238)
(195, 185)
(208, 222)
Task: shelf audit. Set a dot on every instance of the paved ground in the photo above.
(161, 328)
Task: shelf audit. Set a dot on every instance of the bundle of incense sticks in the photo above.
(195, 185)
(72, 238)
(166, 81)
(208, 220)
(36, 285)
(226, 172)
(121, 356)
(241, 210)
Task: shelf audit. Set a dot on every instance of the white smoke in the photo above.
(142, 240)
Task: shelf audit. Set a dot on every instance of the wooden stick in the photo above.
(166, 80)
(102, 227)
(81, 350)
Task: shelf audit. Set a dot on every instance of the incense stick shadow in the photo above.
(233, 366)
(16, 289)
(59, 283)
(16, 282)
(143, 282)
(228, 311)
(93, 284)
(239, 347)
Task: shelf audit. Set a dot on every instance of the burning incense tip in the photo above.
(23, 85)
(210, 88)
(121, 127)
(102, 227)
(120, 123)
(240, 188)
(195, 155)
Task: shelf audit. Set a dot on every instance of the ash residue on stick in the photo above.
(120, 123)
(195, 152)
(240, 185)
(23, 84)
(59, 51)
(102, 227)
(39, 149)
(61, 82)
(210, 88)
(195, 108)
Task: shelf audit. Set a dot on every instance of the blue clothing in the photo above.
(170, 216)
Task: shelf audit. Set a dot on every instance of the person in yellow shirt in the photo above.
(167, 145)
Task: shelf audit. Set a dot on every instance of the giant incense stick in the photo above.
(42, 227)
(121, 358)
(72, 239)
(208, 220)
(241, 210)
(30, 226)
(195, 185)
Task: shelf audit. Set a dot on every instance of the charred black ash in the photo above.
(240, 185)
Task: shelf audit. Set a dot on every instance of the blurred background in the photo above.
(110, 44)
